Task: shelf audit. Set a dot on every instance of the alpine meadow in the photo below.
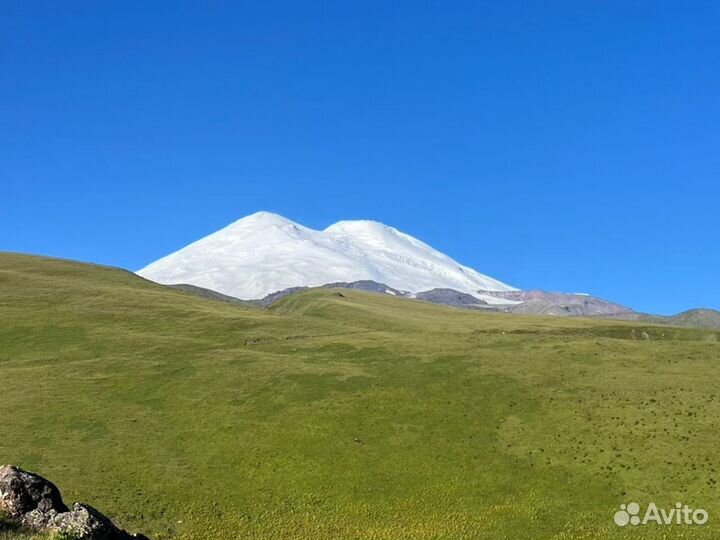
(342, 414)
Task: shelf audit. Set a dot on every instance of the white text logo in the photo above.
(681, 514)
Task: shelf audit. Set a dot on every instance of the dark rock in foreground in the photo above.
(22, 492)
(35, 503)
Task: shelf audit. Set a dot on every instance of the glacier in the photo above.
(264, 253)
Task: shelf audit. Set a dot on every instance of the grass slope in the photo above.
(347, 415)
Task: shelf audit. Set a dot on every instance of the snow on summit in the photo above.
(265, 253)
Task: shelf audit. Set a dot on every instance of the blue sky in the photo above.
(560, 145)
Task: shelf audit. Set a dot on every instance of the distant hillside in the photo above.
(697, 318)
(519, 302)
(692, 318)
(531, 303)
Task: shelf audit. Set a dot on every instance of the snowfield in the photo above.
(265, 253)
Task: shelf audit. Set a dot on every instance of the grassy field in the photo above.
(346, 415)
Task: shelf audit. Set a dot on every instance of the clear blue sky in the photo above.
(560, 145)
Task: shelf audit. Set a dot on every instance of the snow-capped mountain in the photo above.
(264, 253)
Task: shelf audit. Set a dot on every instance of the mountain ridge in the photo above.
(265, 256)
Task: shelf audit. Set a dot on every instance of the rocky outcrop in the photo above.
(22, 492)
(450, 297)
(35, 503)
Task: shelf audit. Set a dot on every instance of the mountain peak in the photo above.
(264, 218)
(358, 224)
(264, 253)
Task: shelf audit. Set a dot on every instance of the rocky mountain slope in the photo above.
(523, 302)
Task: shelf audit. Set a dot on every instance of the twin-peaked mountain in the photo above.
(265, 254)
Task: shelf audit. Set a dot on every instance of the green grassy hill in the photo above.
(347, 415)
